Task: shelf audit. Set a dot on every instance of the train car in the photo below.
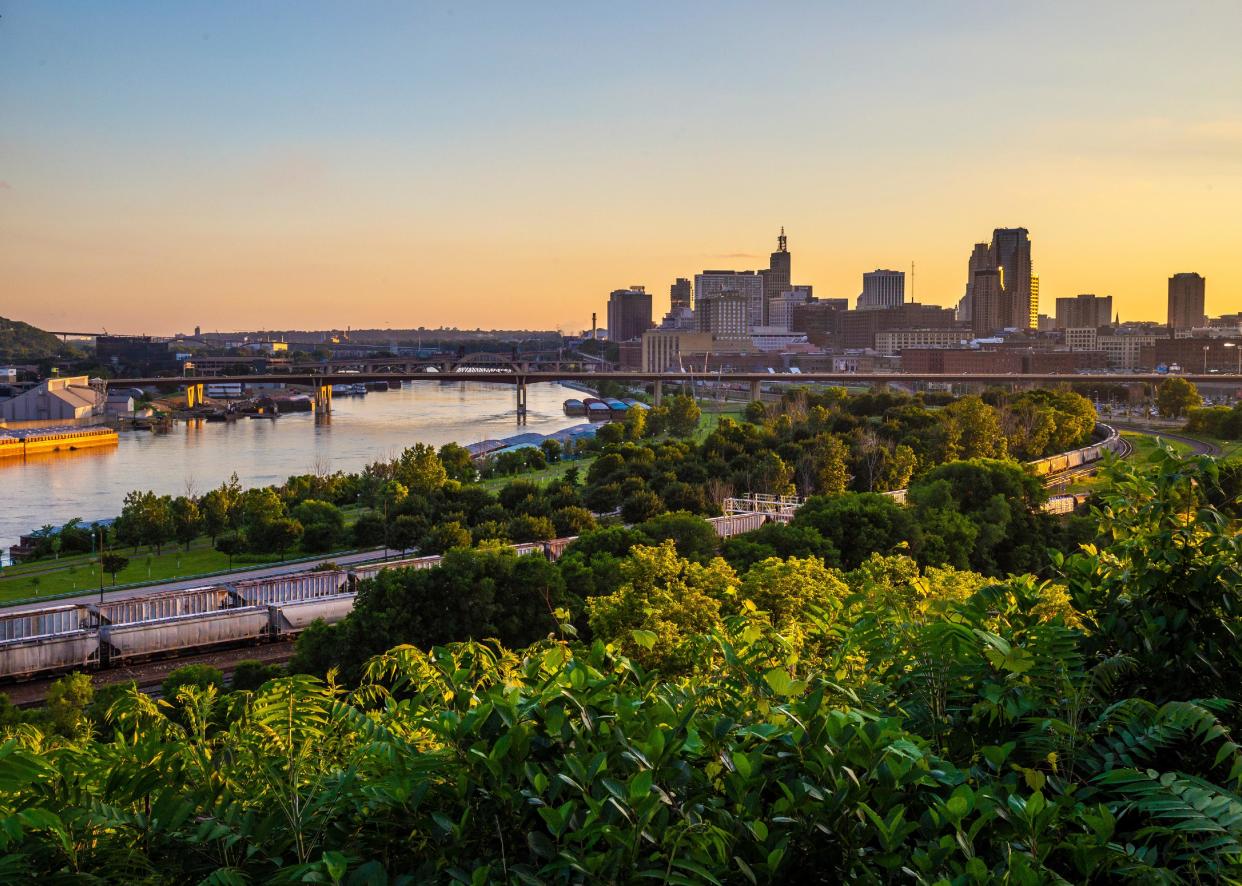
(179, 633)
(70, 650)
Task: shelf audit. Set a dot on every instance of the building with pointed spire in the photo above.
(777, 278)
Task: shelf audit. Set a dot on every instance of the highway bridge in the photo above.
(521, 376)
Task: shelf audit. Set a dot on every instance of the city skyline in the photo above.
(236, 167)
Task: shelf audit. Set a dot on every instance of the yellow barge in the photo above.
(63, 439)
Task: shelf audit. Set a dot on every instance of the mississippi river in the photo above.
(197, 456)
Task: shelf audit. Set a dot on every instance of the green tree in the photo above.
(525, 527)
(445, 537)
(197, 675)
(572, 520)
(187, 520)
(1176, 396)
(275, 536)
(112, 563)
(250, 674)
(458, 465)
(420, 470)
(977, 429)
(683, 415)
(858, 523)
(229, 545)
(67, 700)
(662, 608)
(641, 504)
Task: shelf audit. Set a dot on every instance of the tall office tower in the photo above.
(882, 289)
(990, 309)
(746, 283)
(1032, 320)
(1011, 255)
(1186, 293)
(725, 314)
(1083, 311)
(679, 294)
(980, 260)
(776, 279)
(629, 313)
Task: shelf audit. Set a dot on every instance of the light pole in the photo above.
(1237, 350)
(1205, 353)
(101, 564)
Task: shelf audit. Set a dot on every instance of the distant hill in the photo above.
(23, 343)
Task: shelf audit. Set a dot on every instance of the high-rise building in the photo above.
(882, 289)
(1032, 320)
(679, 294)
(726, 315)
(980, 260)
(1086, 310)
(1186, 292)
(1011, 255)
(629, 313)
(780, 307)
(777, 277)
(748, 284)
(989, 311)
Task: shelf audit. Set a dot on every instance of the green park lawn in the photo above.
(48, 577)
(551, 472)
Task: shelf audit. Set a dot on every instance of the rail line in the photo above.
(120, 633)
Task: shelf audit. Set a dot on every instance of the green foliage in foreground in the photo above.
(891, 724)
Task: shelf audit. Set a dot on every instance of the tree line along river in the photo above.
(196, 456)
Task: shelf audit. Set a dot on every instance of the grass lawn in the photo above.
(709, 421)
(551, 472)
(47, 577)
(1145, 447)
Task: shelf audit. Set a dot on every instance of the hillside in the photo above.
(23, 343)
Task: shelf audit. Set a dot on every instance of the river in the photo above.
(197, 456)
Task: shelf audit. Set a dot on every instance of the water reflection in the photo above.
(195, 456)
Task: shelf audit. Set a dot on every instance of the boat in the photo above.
(575, 407)
(597, 410)
(616, 408)
(380, 385)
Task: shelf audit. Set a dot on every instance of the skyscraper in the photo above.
(1186, 292)
(725, 314)
(990, 304)
(679, 294)
(1011, 255)
(980, 260)
(629, 313)
(776, 279)
(882, 289)
(746, 283)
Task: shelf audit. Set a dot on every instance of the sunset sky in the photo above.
(313, 165)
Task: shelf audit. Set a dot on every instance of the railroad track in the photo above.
(150, 675)
(1198, 447)
(1125, 450)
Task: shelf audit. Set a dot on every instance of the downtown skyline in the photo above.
(311, 167)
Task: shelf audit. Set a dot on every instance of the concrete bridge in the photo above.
(522, 375)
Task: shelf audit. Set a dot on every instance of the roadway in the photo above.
(202, 581)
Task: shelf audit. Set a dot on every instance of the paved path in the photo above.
(202, 581)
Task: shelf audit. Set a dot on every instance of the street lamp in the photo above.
(1238, 351)
(1205, 353)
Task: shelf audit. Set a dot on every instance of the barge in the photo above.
(32, 441)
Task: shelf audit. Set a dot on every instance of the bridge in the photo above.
(521, 375)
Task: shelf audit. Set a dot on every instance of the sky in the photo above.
(275, 165)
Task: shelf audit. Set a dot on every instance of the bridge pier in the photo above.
(658, 392)
(323, 399)
(520, 391)
(756, 392)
